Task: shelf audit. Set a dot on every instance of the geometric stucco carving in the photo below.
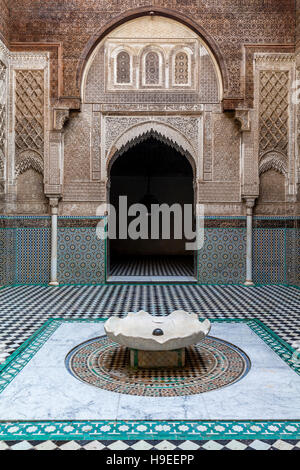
(1, 162)
(145, 51)
(274, 111)
(24, 90)
(29, 110)
(276, 116)
(53, 180)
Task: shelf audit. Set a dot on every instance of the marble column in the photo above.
(54, 214)
(249, 207)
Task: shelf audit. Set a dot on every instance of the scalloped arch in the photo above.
(161, 132)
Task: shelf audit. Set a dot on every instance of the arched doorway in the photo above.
(151, 171)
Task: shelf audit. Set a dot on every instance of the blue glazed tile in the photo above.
(81, 256)
(269, 256)
(222, 260)
(33, 256)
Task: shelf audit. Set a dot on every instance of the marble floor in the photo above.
(45, 390)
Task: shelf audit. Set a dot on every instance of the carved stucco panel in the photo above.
(115, 126)
(226, 149)
(96, 146)
(77, 146)
(28, 114)
(276, 113)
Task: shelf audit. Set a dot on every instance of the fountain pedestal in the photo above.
(140, 359)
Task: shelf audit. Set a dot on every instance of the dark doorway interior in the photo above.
(151, 172)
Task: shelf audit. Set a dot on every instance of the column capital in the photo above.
(53, 201)
(250, 201)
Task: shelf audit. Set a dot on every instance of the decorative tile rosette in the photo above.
(210, 365)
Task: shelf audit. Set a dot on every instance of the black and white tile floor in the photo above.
(153, 266)
(23, 309)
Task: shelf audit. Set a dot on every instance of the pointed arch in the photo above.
(161, 132)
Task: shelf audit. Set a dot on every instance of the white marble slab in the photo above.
(44, 389)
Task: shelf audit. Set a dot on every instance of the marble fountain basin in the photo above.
(145, 332)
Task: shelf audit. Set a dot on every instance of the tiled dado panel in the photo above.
(222, 260)
(25, 252)
(33, 255)
(81, 256)
(7, 256)
(24, 256)
(269, 255)
(293, 256)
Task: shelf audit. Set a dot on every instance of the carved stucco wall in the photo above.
(77, 141)
(276, 128)
(24, 107)
(30, 190)
(226, 149)
(272, 187)
(228, 154)
(4, 65)
(229, 24)
(227, 159)
(4, 21)
(29, 92)
(112, 118)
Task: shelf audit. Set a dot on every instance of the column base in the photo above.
(249, 283)
(53, 283)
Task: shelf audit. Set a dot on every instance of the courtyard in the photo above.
(149, 225)
(33, 316)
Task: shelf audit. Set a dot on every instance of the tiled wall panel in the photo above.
(80, 256)
(269, 256)
(293, 256)
(25, 255)
(33, 255)
(7, 256)
(222, 260)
